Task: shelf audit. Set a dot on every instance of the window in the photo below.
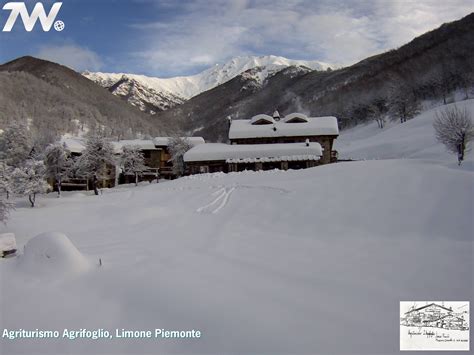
(204, 169)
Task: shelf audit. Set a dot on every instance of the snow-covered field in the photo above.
(412, 139)
(312, 261)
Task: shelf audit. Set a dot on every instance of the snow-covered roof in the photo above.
(164, 141)
(73, 144)
(313, 126)
(145, 144)
(254, 152)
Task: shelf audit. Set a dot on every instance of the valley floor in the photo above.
(310, 261)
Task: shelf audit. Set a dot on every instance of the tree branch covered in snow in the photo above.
(95, 158)
(15, 144)
(30, 180)
(133, 161)
(58, 162)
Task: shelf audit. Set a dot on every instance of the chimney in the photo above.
(307, 142)
(276, 115)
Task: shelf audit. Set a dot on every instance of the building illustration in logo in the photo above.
(436, 316)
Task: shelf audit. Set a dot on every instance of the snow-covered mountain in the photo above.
(151, 93)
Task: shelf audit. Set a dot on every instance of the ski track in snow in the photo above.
(223, 195)
(219, 202)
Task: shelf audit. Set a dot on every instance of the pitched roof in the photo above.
(428, 305)
(73, 144)
(144, 144)
(253, 152)
(293, 125)
(164, 141)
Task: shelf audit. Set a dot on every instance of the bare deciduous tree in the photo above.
(96, 159)
(404, 102)
(57, 161)
(453, 127)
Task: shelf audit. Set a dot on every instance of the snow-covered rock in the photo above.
(7, 243)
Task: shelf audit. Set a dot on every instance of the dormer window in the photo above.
(262, 120)
(296, 118)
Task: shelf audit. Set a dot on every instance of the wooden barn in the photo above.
(293, 128)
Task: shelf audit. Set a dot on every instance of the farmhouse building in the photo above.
(293, 128)
(155, 151)
(434, 315)
(265, 142)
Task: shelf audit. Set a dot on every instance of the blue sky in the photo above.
(168, 38)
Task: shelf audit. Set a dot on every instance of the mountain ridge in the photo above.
(153, 94)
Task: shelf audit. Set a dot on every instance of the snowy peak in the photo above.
(268, 65)
(170, 92)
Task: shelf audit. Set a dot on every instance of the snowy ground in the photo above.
(412, 139)
(312, 261)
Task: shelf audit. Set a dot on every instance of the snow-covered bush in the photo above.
(58, 162)
(453, 127)
(30, 180)
(133, 161)
(95, 158)
(177, 147)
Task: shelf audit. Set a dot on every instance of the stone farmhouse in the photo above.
(295, 141)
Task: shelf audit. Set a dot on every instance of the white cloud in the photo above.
(202, 32)
(71, 55)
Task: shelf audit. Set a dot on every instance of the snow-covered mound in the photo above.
(412, 139)
(185, 87)
(51, 253)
